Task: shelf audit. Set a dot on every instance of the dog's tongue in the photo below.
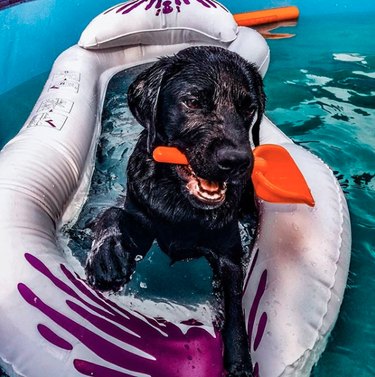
(209, 186)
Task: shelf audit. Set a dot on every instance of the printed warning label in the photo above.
(67, 75)
(66, 84)
(48, 119)
(65, 80)
(56, 104)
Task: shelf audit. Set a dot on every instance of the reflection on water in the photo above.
(267, 30)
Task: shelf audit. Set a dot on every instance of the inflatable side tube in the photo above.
(298, 270)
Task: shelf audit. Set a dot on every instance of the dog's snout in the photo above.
(233, 161)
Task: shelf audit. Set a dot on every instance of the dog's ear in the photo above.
(143, 96)
(256, 82)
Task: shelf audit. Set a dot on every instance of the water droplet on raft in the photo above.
(143, 285)
(295, 226)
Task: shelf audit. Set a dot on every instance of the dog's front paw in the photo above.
(109, 266)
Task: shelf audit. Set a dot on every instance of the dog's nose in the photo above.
(231, 160)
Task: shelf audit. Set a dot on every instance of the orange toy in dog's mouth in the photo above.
(209, 192)
(276, 177)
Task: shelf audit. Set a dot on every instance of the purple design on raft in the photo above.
(256, 370)
(260, 331)
(161, 6)
(143, 345)
(254, 311)
(256, 302)
(53, 338)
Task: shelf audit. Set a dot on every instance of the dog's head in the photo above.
(206, 101)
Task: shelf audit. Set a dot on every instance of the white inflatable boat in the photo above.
(53, 324)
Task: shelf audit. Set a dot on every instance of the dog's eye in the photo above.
(249, 111)
(247, 107)
(192, 103)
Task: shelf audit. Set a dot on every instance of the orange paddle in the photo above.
(276, 177)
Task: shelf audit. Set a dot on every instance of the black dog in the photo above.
(204, 101)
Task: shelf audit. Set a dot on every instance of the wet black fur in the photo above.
(204, 101)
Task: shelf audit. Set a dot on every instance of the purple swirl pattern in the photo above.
(161, 6)
(150, 346)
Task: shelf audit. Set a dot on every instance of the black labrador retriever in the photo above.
(206, 101)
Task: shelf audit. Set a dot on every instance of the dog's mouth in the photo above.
(210, 193)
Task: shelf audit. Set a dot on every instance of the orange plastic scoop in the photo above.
(276, 177)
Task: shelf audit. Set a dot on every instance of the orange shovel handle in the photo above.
(169, 155)
(267, 16)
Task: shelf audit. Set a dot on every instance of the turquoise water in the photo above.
(26, 49)
(320, 89)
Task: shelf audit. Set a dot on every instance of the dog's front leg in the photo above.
(237, 359)
(119, 236)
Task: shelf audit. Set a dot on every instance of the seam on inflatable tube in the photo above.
(79, 195)
(9, 368)
(340, 240)
(266, 60)
(97, 45)
(320, 338)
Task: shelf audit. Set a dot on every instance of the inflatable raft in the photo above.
(53, 324)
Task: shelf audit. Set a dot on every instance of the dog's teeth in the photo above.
(210, 196)
(207, 191)
(209, 186)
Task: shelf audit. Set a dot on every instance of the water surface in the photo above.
(320, 89)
